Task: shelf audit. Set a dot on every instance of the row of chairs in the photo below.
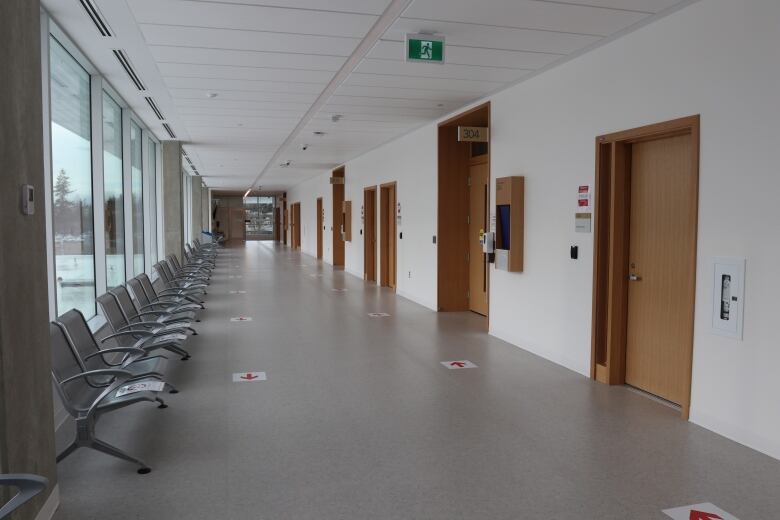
(96, 374)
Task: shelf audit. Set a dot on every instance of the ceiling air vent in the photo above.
(169, 130)
(97, 17)
(156, 110)
(122, 57)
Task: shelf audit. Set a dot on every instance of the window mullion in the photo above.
(127, 190)
(98, 193)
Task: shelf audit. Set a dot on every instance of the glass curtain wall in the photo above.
(260, 216)
(71, 157)
(113, 206)
(137, 184)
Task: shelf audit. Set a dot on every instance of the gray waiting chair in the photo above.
(169, 305)
(179, 321)
(86, 402)
(128, 334)
(92, 357)
(189, 285)
(155, 294)
(28, 487)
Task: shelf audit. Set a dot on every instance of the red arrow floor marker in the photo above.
(249, 377)
(458, 364)
(701, 515)
(703, 511)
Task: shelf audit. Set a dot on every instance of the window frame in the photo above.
(98, 85)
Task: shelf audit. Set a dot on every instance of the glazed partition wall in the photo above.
(71, 168)
(113, 191)
(102, 180)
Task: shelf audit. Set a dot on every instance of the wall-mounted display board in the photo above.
(346, 220)
(510, 223)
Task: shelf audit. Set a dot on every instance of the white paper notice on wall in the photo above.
(728, 295)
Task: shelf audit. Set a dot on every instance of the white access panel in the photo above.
(728, 296)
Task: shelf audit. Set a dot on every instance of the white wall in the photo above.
(409, 162)
(717, 58)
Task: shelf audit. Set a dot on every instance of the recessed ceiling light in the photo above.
(212, 95)
(319, 133)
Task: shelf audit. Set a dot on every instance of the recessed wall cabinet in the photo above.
(510, 222)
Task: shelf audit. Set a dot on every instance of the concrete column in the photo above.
(26, 413)
(197, 208)
(172, 197)
(205, 209)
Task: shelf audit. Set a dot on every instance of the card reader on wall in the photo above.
(510, 211)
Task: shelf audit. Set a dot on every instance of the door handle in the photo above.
(634, 278)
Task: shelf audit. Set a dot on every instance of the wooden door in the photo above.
(662, 250)
(276, 225)
(237, 224)
(478, 224)
(319, 228)
(388, 235)
(338, 202)
(296, 225)
(369, 235)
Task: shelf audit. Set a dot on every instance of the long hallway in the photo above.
(358, 419)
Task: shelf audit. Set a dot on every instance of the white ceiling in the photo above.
(269, 60)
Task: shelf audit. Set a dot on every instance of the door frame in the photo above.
(611, 243)
(385, 224)
(320, 223)
(339, 195)
(373, 194)
(453, 208)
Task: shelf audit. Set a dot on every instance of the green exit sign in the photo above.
(424, 47)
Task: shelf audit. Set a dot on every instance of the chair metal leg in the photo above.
(162, 403)
(67, 451)
(108, 449)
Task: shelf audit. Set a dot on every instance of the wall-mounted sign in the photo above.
(398, 213)
(582, 222)
(425, 47)
(584, 198)
(473, 134)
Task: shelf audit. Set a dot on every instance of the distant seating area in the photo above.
(95, 373)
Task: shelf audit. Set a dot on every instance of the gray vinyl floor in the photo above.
(358, 420)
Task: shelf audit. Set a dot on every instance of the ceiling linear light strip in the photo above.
(155, 108)
(97, 18)
(389, 16)
(169, 130)
(125, 62)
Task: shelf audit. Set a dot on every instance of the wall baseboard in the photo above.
(51, 505)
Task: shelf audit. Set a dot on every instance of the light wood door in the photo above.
(237, 224)
(336, 218)
(369, 235)
(319, 227)
(662, 249)
(296, 225)
(388, 245)
(478, 224)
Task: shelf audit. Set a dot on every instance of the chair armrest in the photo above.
(127, 333)
(114, 350)
(101, 372)
(28, 486)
